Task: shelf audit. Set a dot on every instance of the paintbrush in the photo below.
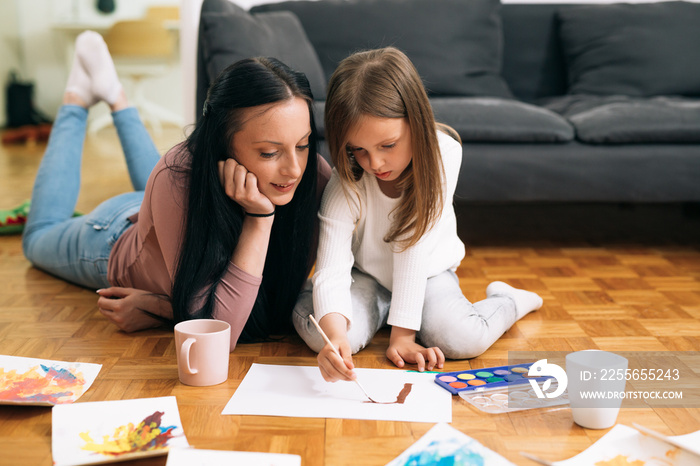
(663, 438)
(537, 459)
(335, 350)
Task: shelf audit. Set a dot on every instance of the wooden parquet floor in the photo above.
(613, 278)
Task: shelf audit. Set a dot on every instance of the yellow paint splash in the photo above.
(620, 460)
(147, 435)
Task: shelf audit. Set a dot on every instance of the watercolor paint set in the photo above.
(485, 379)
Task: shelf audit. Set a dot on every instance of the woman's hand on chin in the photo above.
(242, 186)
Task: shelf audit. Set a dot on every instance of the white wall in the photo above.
(31, 44)
(9, 49)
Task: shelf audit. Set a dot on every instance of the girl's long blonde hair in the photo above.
(384, 83)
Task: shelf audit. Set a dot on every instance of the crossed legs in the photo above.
(461, 329)
(77, 249)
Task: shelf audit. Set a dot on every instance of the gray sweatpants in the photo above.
(459, 328)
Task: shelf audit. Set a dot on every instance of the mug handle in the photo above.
(185, 355)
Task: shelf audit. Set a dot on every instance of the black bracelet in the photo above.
(259, 215)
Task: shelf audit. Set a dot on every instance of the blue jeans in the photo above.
(77, 248)
(462, 330)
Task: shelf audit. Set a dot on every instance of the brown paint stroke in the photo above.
(400, 399)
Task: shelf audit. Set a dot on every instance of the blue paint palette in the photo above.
(485, 379)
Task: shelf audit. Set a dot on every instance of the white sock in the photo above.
(525, 301)
(79, 83)
(94, 55)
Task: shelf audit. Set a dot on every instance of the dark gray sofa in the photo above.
(541, 119)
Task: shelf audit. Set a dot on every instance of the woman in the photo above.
(221, 227)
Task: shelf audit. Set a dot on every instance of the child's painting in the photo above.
(29, 381)
(625, 446)
(445, 445)
(300, 391)
(196, 457)
(110, 431)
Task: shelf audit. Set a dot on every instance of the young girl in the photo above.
(222, 226)
(388, 247)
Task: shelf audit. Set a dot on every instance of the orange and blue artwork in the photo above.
(108, 431)
(147, 435)
(445, 445)
(44, 382)
(624, 446)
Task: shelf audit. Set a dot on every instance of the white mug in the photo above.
(202, 347)
(596, 386)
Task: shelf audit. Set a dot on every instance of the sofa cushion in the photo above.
(230, 33)
(632, 49)
(456, 45)
(533, 62)
(483, 119)
(623, 119)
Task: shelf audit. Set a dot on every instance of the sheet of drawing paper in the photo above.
(110, 431)
(300, 391)
(29, 381)
(690, 441)
(196, 457)
(625, 446)
(446, 445)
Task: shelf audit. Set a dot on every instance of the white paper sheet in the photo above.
(43, 382)
(624, 445)
(196, 457)
(109, 431)
(445, 445)
(300, 391)
(690, 441)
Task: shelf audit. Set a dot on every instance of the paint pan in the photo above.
(485, 379)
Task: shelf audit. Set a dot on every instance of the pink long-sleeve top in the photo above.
(145, 256)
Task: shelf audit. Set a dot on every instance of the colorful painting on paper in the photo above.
(625, 446)
(445, 445)
(29, 381)
(108, 431)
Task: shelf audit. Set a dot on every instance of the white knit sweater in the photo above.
(352, 232)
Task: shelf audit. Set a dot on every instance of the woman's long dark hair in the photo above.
(214, 221)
